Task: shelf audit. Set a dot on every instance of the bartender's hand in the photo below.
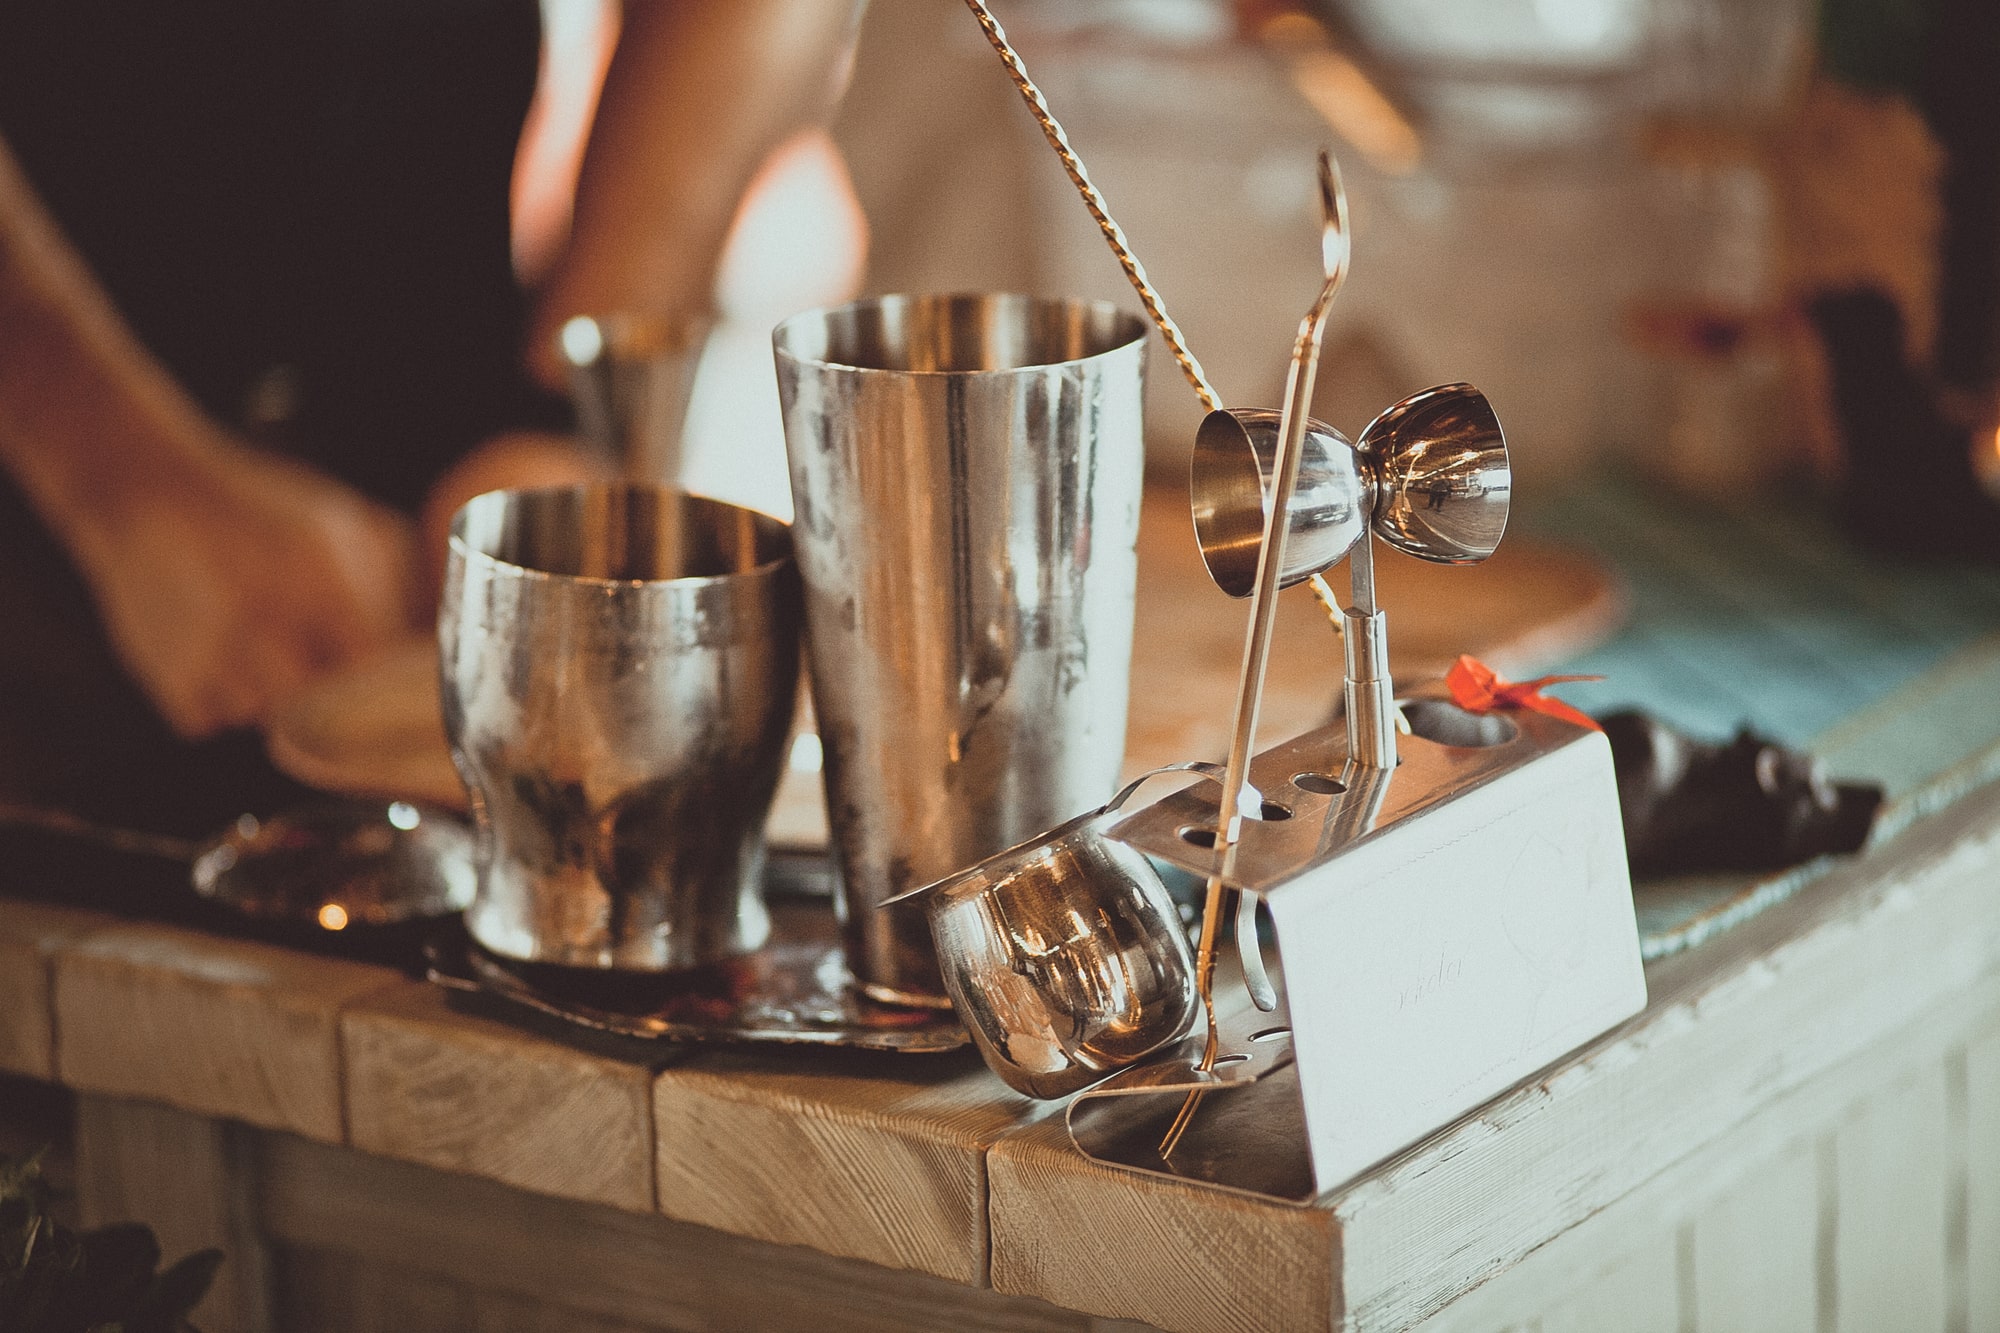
(225, 577)
(237, 577)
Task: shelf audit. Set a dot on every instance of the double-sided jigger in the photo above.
(1430, 477)
(1453, 902)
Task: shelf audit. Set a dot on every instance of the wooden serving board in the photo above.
(1531, 605)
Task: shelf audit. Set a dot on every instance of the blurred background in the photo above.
(1593, 209)
(1570, 203)
(1621, 219)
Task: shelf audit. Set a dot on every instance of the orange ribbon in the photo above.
(1477, 688)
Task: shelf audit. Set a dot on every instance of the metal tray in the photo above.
(794, 991)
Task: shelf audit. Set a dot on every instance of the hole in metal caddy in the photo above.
(1448, 724)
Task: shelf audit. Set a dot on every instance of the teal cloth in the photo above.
(1767, 618)
(1761, 616)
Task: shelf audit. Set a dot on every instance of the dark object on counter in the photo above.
(1748, 804)
(1910, 488)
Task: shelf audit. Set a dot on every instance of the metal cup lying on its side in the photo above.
(619, 666)
(1064, 956)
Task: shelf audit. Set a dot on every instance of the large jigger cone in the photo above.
(1430, 477)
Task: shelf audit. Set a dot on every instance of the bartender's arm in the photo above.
(698, 95)
(224, 577)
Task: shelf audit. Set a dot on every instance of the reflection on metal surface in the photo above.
(1445, 927)
(966, 475)
(1443, 484)
(1235, 454)
(1428, 774)
(338, 863)
(326, 864)
(1064, 956)
(793, 991)
(1430, 476)
(619, 668)
(630, 377)
(1250, 1136)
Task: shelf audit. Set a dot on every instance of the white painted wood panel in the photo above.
(1982, 1181)
(1755, 1250)
(1639, 1295)
(1892, 1162)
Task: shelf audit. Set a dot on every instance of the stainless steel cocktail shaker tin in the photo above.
(966, 477)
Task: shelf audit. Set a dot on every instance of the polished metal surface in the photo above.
(1430, 476)
(331, 864)
(339, 864)
(1444, 929)
(1235, 457)
(792, 992)
(1443, 484)
(1064, 956)
(966, 474)
(1370, 694)
(630, 377)
(619, 666)
(1335, 805)
(1251, 1135)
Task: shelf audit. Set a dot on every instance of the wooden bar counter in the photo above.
(1801, 1131)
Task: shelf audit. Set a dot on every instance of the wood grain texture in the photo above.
(1890, 1240)
(429, 1084)
(604, 1263)
(192, 1180)
(1123, 1245)
(869, 1157)
(30, 936)
(1982, 1180)
(225, 1027)
(1816, 1000)
(1755, 1250)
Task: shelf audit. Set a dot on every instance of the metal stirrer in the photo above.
(1114, 235)
(1256, 980)
(1334, 253)
(1121, 249)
